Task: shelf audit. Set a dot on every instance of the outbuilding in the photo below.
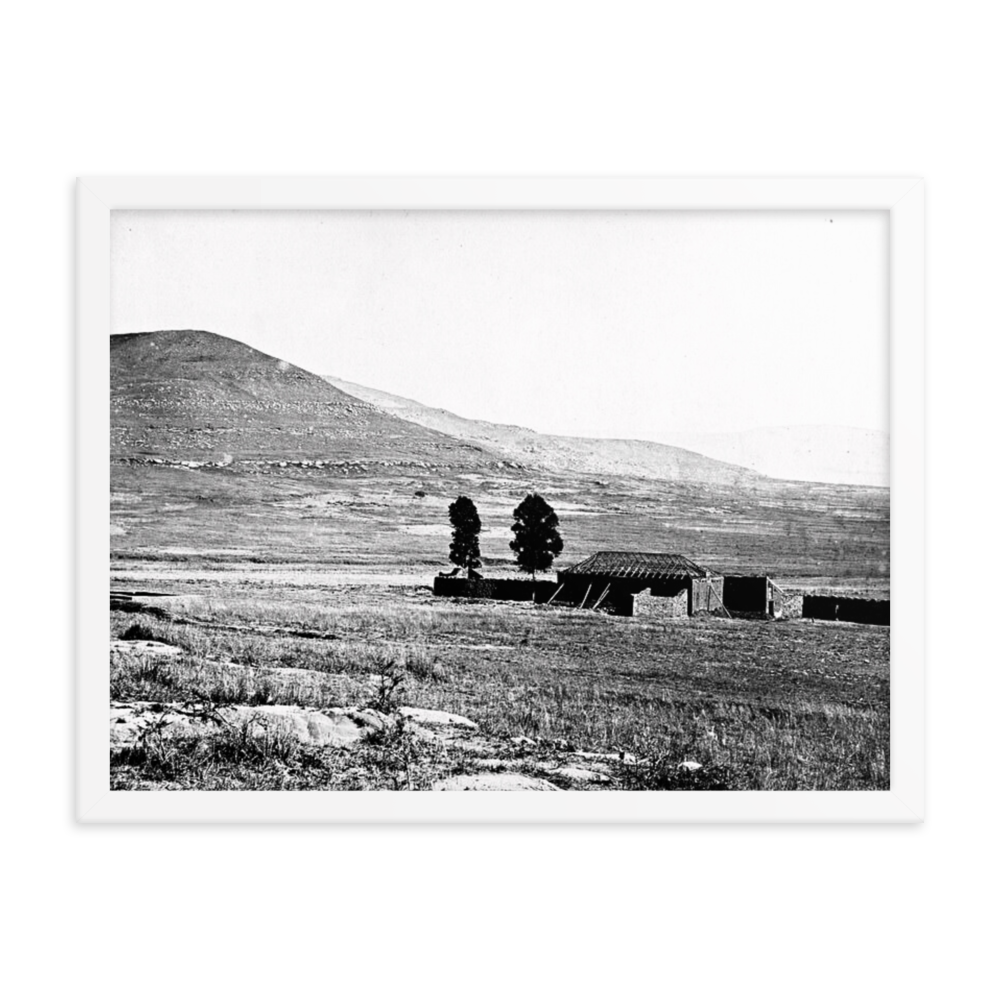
(749, 596)
(611, 581)
(758, 597)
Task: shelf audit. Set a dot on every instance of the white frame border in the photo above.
(902, 197)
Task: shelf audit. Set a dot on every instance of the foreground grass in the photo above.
(242, 758)
(776, 706)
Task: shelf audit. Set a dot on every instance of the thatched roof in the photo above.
(638, 566)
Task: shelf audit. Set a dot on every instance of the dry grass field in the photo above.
(308, 604)
(395, 520)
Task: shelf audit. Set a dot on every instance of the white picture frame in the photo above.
(901, 197)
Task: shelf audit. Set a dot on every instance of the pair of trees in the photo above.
(536, 534)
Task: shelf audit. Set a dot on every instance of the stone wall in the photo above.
(788, 605)
(493, 589)
(698, 594)
(845, 609)
(645, 605)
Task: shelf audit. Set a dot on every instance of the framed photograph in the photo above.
(505, 486)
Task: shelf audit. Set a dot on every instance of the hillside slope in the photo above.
(183, 395)
(556, 453)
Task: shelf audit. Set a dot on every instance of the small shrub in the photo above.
(265, 692)
(391, 754)
(256, 740)
(143, 678)
(389, 687)
(138, 631)
(420, 664)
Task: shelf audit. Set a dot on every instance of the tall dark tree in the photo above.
(464, 551)
(536, 534)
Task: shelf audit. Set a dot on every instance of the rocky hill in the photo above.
(189, 395)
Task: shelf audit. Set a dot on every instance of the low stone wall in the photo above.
(790, 606)
(845, 609)
(576, 594)
(645, 605)
(493, 589)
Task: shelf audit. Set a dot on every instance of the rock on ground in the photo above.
(321, 727)
(431, 717)
(144, 647)
(330, 727)
(299, 674)
(580, 774)
(129, 722)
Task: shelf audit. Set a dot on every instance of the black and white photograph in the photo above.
(504, 500)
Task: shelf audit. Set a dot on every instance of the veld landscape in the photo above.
(274, 537)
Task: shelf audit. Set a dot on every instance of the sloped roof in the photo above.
(638, 566)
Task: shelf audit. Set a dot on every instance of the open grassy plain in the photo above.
(396, 520)
(313, 589)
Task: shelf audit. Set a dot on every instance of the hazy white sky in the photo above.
(611, 324)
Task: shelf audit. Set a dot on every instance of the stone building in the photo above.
(611, 581)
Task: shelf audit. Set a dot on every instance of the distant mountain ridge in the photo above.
(809, 453)
(194, 395)
(594, 456)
